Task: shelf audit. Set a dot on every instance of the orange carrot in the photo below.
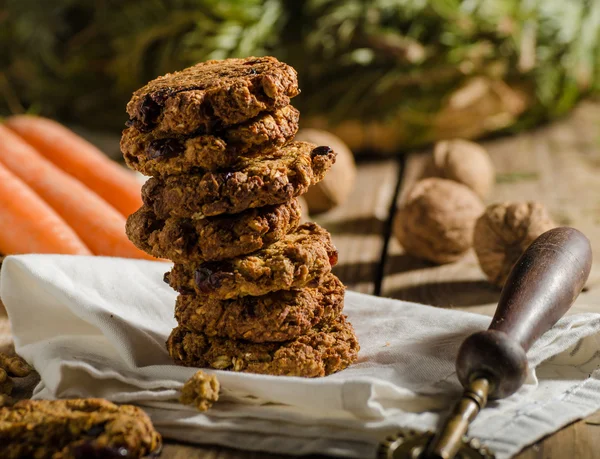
(96, 222)
(81, 159)
(29, 225)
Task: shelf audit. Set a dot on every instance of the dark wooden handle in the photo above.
(540, 289)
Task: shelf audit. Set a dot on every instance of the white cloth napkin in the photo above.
(96, 327)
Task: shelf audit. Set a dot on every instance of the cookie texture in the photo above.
(255, 183)
(212, 94)
(277, 316)
(184, 240)
(324, 350)
(69, 429)
(300, 259)
(155, 154)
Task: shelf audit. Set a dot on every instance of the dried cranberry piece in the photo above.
(333, 258)
(186, 291)
(202, 275)
(149, 112)
(164, 148)
(206, 279)
(210, 276)
(321, 151)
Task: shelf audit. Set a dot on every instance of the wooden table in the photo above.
(558, 165)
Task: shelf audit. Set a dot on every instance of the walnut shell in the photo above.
(436, 220)
(464, 162)
(504, 232)
(338, 183)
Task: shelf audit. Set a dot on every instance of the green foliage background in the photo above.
(394, 62)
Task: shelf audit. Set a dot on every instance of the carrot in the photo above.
(98, 224)
(81, 159)
(29, 225)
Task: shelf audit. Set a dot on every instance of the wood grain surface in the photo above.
(358, 226)
(558, 165)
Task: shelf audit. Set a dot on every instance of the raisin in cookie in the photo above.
(153, 154)
(277, 316)
(325, 349)
(212, 94)
(185, 240)
(255, 183)
(69, 429)
(300, 259)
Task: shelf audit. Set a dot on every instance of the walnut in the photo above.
(464, 162)
(436, 220)
(201, 390)
(504, 232)
(337, 185)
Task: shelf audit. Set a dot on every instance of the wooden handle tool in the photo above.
(492, 364)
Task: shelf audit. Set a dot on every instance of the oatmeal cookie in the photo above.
(300, 259)
(277, 316)
(255, 183)
(325, 349)
(153, 154)
(69, 429)
(212, 94)
(184, 240)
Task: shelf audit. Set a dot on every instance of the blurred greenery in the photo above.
(425, 68)
(82, 59)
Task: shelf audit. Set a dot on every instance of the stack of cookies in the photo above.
(256, 289)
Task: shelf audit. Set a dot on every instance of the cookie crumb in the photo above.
(15, 365)
(11, 366)
(201, 390)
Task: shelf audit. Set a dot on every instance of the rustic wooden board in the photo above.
(176, 451)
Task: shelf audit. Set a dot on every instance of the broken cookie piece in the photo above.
(79, 428)
(11, 366)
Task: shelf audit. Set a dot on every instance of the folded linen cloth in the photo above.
(96, 327)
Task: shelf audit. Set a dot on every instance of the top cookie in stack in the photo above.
(212, 115)
(256, 289)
